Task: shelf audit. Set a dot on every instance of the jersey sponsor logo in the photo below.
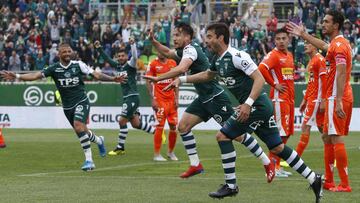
(69, 82)
(224, 108)
(58, 70)
(79, 109)
(166, 81)
(282, 60)
(229, 81)
(287, 73)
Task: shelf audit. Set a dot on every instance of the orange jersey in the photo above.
(281, 67)
(339, 52)
(317, 81)
(156, 69)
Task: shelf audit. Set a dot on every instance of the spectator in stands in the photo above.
(356, 68)
(2, 41)
(3, 61)
(14, 26)
(160, 35)
(185, 16)
(352, 12)
(235, 29)
(225, 18)
(53, 52)
(107, 69)
(244, 46)
(254, 19)
(14, 62)
(271, 24)
(27, 65)
(166, 25)
(40, 59)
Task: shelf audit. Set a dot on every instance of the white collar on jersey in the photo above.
(222, 55)
(339, 36)
(65, 67)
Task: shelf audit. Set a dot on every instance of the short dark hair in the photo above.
(338, 17)
(220, 29)
(64, 45)
(122, 51)
(187, 29)
(281, 30)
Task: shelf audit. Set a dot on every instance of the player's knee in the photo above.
(172, 127)
(183, 127)
(277, 149)
(122, 121)
(240, 138)
(221, 137)
(79, 126)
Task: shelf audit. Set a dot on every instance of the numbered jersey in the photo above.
(234, 68)
(207, 90)
(69, 81)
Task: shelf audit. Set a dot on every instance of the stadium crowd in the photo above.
(31, 30)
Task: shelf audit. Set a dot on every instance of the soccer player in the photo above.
(339, 96)
(165, 105)
(130, 112)
(313, 104)
(254, 114)
(212, 100)
(68, 77)
(277, 68)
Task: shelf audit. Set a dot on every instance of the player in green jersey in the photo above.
(212, 101)
(68, 77)
(254, 114)
(130, 112)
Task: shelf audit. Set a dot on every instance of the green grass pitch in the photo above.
(44, 166)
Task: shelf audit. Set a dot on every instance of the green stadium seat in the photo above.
(152, 57)
(144, 59)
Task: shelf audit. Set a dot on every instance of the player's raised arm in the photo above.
(134, 55)
(8, 75)
(168, 53)
(107, 58)
(300, 31)
(99, 75)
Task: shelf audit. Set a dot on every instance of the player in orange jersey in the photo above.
(278, 71)
(339, 96)
(165, 105)
(313, 104)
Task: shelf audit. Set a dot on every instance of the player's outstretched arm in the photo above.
(164, 50)
(300, 31)
(8, 75)
(134, 55)
(101, 76)
(197, 78)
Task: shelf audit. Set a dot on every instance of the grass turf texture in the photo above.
(44, 166)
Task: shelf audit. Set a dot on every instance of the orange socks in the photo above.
(158, 139)
(304, 140)
(329, 157)
(172, 140)
(342, 163)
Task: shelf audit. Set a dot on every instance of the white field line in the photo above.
(199, 177)
(142, 164)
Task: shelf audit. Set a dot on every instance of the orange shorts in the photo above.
(333, 125)
(166, 111)
(284, 115)
(312, 113)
